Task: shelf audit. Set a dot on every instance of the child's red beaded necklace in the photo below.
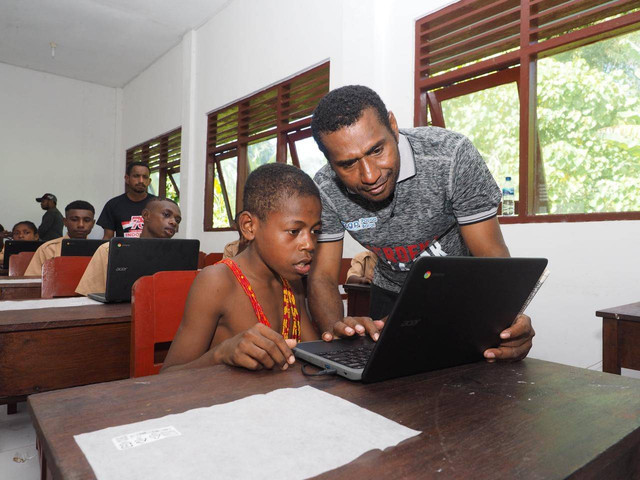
(290, 316)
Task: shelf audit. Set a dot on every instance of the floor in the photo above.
(18, 455)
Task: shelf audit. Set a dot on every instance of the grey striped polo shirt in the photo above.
(443, 183)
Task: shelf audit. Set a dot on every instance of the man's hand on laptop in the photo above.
(516, 341)
(350, 326)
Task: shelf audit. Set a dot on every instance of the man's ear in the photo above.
(394, 125)
(64, 221)
(247, 225)
(145, 214)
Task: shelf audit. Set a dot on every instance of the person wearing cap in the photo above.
(52, 223)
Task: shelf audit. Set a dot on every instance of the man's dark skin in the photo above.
(366, 159)
(136, 183)
(47, 204)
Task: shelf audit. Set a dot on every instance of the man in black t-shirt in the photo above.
(51, 225)
(122, 215)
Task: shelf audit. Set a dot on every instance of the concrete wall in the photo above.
(58, 135)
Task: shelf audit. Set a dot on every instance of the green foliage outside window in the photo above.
(588, 122)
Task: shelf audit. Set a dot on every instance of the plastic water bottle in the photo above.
(508, 197)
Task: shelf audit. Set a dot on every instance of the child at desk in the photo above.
(25, 230)
(78, 218)
(162, 218)
(250, 311)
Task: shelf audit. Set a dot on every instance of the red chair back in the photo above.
(201, 258)
(19, 262)
(157, 305)
(212, 258)
(61, 275)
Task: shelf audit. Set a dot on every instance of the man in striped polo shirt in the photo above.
(401, 194)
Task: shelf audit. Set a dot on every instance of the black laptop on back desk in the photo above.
(75, 247)
(449, 311)
(132, 258)
(12, 247)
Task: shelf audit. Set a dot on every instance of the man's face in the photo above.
(23, 232)
(45, 204)
(138, 179)
(365, 156)
(79, 223)
(161, 219)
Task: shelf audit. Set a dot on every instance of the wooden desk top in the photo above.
(20, 288)
(531, 419)
(630, 311)
(7, 280)
(43, 318)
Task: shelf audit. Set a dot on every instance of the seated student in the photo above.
(362, 266)
(3, 234)
(161, 220)
(25, 230)
(78, 218)
(250, 311)
(232, 249)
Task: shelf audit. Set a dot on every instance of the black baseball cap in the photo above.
(47, 196)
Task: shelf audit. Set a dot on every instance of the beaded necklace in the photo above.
(290, 316)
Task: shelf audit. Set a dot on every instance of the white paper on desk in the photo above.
(47, 303)
(290, 433)
(20, 280)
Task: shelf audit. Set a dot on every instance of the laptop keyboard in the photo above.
(350, 357)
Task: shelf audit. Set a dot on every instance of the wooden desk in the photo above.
(531, 419)
(357, 299)
(620, 337)
(10, 289)
(51, 348)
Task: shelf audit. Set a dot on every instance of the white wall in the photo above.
(152, 102)
(58, 136)
(251, 44)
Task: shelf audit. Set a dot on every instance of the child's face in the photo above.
(161, 219)
(22, 231)
(79, 223)
(286, 239)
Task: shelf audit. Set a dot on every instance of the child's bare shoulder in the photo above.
(214, 282)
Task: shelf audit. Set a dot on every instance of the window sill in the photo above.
(572, 217)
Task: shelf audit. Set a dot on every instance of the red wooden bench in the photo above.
(61, 275)
(157, 305)
(19, 262)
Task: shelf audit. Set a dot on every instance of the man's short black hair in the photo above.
(271, 184)
(161, 199)
(343, 107)
(31, 225)
(136, 164)
(79, 205)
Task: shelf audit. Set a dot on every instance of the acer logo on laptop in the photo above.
(121, 269)
(410, 323)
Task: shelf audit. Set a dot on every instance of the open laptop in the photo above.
(76, 247)
(11, 247)
(132, 258)
(449, 311)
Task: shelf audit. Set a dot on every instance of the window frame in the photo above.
(437, 81)
(165, 166)
(274, 123)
